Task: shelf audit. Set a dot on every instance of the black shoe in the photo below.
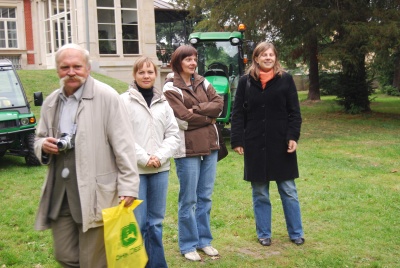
(265, 241)
(298, 241)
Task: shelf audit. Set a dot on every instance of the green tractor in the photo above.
(17, 122)
(221, 60)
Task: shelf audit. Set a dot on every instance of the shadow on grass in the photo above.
(15, 161)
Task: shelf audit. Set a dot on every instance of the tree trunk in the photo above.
(313, 91)
(396, 73)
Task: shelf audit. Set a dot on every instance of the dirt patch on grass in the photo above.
(309, 102)
(258, 254)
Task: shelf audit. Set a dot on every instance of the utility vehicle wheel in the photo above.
(2, 153)
(31, 159)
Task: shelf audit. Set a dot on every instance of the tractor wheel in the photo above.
(31, 159)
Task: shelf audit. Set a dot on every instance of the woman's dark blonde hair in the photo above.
(140, 62)
(254, 69)
(179, 54)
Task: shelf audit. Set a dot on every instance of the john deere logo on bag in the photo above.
(128, 235)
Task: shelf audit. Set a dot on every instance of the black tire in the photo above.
(31, 159)
(2, 153)
(226, 132)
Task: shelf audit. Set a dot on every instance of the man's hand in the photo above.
(128, 200)
(49, 146)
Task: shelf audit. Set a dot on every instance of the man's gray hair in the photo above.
(84, 52)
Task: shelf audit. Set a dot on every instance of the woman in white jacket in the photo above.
(156, 136)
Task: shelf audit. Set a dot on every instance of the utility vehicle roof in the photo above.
(5, 63)
(215, 36)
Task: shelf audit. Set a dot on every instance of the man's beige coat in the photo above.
(104, 149)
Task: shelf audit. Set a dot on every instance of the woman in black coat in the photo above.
(265, 127)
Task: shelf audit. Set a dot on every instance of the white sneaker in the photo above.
(210, 251)
(193, 256)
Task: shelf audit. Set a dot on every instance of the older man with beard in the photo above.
(83, 138)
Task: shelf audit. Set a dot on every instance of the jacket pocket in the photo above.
(105, 193)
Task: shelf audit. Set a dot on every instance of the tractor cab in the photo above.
(221, 61)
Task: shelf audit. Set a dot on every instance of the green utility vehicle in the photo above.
(221, 60)
(17, 123)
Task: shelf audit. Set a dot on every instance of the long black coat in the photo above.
(263, 129)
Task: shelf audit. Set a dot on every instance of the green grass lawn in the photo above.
(349, 189)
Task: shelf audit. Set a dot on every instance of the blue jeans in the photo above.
(196, 178)
(290, 203)
(150, 214)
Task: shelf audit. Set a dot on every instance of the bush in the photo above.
(390, 90)
(329, 83)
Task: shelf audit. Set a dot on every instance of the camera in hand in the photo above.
(66, 142)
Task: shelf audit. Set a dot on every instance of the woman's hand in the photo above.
(239, 150)
(154, 162)
(292, 146)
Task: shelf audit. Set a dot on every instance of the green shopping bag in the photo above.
(122, 237)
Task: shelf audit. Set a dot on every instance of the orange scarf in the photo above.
(266, 76)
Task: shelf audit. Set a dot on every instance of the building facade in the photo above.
(115, 32)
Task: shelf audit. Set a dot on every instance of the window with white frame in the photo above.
(8, 28)
(118, 16)
(57, 24)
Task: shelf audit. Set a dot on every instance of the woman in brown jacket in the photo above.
(196, 106)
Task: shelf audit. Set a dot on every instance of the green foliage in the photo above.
(336, 33)
(391, 90)
(354, 91)
(169, 35)
(385, 67)
(329, 83)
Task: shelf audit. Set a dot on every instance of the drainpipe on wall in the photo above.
(29, 33)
